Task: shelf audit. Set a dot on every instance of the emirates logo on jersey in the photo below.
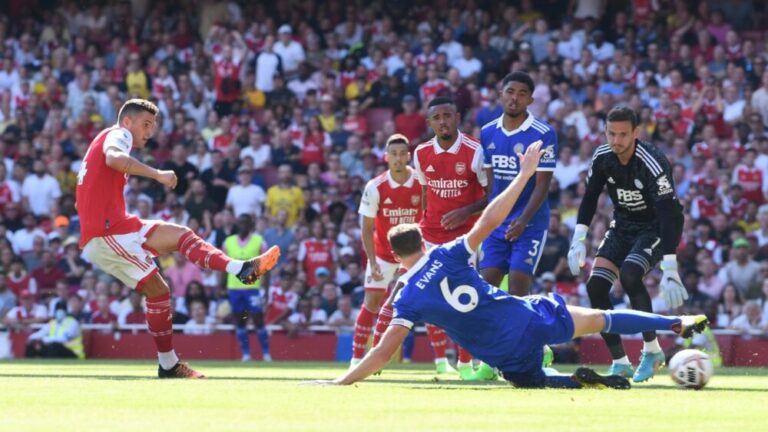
(415, 199)
(461, 168)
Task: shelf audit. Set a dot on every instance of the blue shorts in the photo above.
(551, 324)
(245, 300)
(521, 254)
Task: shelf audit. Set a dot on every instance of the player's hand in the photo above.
(515, 229)
(376, 271)
(530, 160)
(455, 218)
(577, 254)
(672, 290)
(167, 178)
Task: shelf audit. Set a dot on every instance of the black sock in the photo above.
(598, 287)
(632, 274)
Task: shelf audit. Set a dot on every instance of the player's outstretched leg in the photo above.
(651, 357)
(167, 238)
(160, 325)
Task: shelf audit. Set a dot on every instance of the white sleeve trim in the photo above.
(417, 166)
(402, 322)
(371, 195)
(119, 139)
(463, 239)
(545, 169)
(477, 166)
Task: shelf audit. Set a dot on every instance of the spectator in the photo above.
(135, 313)
(278, 234)
(200, 323)
(47, 275)
(257, 150)
(23, 239)
(281, 301)
(181, 274)
(59, 338)
(751, 319)
(304, 317)
(343, 319)
(246, 197)
(40, 191)
(291, 52)
(103, 313)
(760, 100)
(285, 196)
(7, 297)
(268, 64)
(467, 65)
(26, 313)
(742, 271)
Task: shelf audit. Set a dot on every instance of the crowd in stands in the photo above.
(281, 110)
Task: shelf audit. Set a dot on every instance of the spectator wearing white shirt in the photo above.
(246, 197)
(601, 49)
(9, 76)
(26, 313)
(257, 151)
(343, 319)
(452, 49)
(751, 318)
(569, 45)
(24, 238)
(291, 52)
(468, 64)
(306, 315)
(268, 64)
(200, 322)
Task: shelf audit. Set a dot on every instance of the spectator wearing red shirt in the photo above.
(134, 315)
(410, 122)
(47, 275)
(226, 76)
(354, 122)
(316, 145)
(750, 177)
(103, 314)
(706, 204)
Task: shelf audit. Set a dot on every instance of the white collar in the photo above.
(416, 267)
(523, 127)
(408, 183)
(453, 149)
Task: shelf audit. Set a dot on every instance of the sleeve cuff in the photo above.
(466, 245)
(402, 322)
(545, 169)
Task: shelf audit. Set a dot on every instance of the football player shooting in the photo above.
(647, 225)
(505, 331)
(124, 245)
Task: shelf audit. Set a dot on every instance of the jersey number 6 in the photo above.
(454, 298)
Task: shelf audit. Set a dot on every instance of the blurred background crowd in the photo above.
(280, 110)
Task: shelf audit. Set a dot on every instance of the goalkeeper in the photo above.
(646, 228)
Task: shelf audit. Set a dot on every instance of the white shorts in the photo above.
(472, 258)
(388, 270)
(124, 256)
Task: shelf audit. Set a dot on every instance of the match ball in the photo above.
(691, 369)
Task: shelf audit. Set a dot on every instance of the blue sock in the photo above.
(632, 321)
(263, 340)
(408, 346)
(242, 338)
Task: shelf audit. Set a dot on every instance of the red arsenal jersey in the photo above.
(751, 181)
(315, 253)
(99, 195)
(454, 178)
(390, 204)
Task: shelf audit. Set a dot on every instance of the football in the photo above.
(691, 369)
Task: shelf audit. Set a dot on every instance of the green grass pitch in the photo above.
(125, 396)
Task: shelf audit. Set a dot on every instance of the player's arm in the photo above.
(499, 208)
(541, 189)
(369, 208)
(669, 213)
(577, 254)
(377, 357)
(121, 161)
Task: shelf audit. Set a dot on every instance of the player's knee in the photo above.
(599, 283)
(492, 275)
(373, 301)
(155, 286)
(631, 276)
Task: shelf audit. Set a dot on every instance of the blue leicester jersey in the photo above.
(500, 148)
(442, 289)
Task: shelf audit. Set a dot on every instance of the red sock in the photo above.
(363, 326)
(385, 316)
(202, 253)
(159, 321)
(463, 355)
(438, 339)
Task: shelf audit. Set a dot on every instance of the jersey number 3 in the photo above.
(454, 298)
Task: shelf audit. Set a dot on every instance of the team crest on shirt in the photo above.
(519, 148)
(415, 199)
(639, 184)
(461, 168)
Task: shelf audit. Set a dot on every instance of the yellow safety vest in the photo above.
(250, 250)
(76, 344)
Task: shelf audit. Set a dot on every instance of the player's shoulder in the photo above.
(119, 133)
(601, 153)
(541, 126)
(491, 126)
(378, 180)
(470, 142)
(651, 157)
(424, 148)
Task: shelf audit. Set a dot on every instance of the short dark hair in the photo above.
(397, 139)
(441, 100)
(622, 113)
(135, 106)
(405, 239)
(521, 77)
